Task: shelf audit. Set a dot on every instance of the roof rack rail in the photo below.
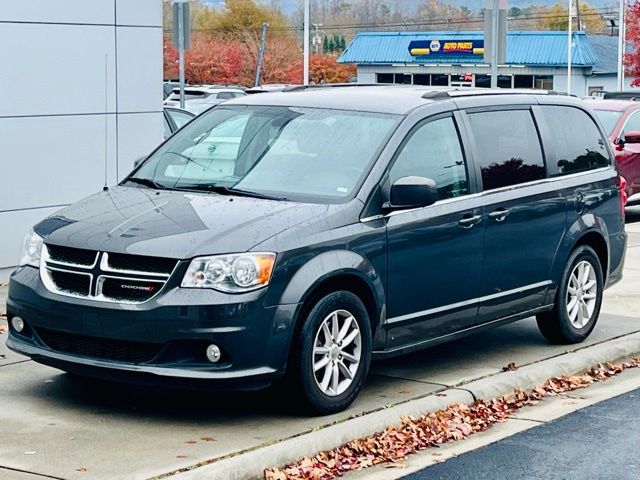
(296, 88)
(466, 92)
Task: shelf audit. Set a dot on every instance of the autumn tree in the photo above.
(632, 59)
(556, 17)
(322, 69)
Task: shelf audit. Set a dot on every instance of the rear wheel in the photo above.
(333, 352)
(578, 299)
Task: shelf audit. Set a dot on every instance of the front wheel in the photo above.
(333, 352)
(578, 299)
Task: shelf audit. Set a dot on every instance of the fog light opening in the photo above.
(213, 353)
(18, 324)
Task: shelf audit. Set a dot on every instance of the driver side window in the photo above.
(434, 151)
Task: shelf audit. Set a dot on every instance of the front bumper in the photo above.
(162, 341)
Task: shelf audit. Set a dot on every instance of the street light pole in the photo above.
(305, 75)
(569, 46)
(621, 45)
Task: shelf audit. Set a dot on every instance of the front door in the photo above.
(435, 253)
(525, 218)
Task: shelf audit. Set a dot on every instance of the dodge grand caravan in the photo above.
(300, 234)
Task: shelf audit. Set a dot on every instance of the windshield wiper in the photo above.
(147, 182)
(227, 191)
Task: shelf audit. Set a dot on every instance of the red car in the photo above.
(621, 120)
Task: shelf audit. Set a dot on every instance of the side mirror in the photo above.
(632, 137)
(412, 192)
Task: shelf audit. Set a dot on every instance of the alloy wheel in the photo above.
(337, 351)
(582, 293)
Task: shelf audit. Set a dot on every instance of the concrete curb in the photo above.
(250, 465)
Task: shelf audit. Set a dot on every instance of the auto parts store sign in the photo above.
(420, 48)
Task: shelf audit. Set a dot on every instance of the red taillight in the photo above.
(622, 186)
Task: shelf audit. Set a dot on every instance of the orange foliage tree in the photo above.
(632, 59)
(322, 69)
(224, 60)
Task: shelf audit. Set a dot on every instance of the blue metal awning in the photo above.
(530, 48)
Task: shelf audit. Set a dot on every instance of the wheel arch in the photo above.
(589, 230)
(333, 271)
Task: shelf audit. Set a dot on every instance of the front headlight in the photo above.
(31, 249)
(235, 273)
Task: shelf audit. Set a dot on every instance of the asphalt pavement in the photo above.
(601, 442)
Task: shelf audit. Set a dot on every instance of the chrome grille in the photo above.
(103, 276)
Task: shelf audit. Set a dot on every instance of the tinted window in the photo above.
(508, 147)
(578, 143)
(633, 123)
(225, 95)
(433, 151)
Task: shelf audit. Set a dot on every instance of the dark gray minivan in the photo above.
(300, 234)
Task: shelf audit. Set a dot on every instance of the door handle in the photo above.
(499, 214)
(469, 220)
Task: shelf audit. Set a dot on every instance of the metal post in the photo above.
(263, 41)
(494, 44)
(181, 50)
(621, 44)
(305, 75)
(569, 46)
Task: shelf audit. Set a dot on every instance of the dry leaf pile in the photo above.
(456, 422)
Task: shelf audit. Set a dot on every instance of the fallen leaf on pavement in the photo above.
(456, 422)
(511, 367)
(207, 439)
(190, 442)
(3, 329)
(81, 469)
(181, 456)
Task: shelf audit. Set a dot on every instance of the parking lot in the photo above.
(56, 426)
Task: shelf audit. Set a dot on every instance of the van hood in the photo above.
(172, 224)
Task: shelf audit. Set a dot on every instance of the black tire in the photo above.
(555, 325)
(316, 401)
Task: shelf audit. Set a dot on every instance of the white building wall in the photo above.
(81, 80)
(609, 83)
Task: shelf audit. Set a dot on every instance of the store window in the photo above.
(384, 77)
(483, 81)
(421, 79)
(543, 82)
(523, 81)
(504, 81)
(402, 78)
(440, 80)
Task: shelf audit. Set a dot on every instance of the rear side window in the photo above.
(433, 151)
(509, 150)
(633, 123)
(578, 143)
(225, 95)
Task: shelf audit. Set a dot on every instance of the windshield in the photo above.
(305, 154)
(609, 119)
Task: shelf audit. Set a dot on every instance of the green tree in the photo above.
(325, 44)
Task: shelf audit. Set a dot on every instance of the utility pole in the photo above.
(305, 50)
(621, 43)
(578, 15)
(495, 35)
(181, 38)
(263, 41)
(570, 44)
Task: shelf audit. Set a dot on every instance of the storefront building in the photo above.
(534, 59)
